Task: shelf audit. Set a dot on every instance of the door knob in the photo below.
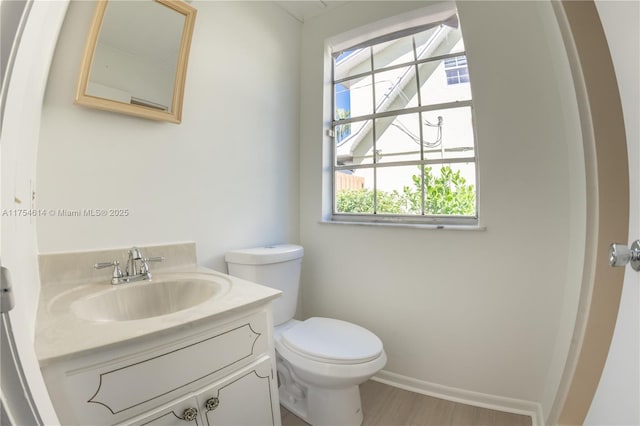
(620, 255)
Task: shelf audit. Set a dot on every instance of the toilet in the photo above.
(321, 361)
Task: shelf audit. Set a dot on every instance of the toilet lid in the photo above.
(332, 340)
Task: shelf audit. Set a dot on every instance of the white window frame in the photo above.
(359, 37)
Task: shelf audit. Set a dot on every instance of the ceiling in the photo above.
(305, 10)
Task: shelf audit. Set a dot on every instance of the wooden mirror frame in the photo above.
(174, 115)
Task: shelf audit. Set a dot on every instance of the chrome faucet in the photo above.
(137, 268)
(132, 266)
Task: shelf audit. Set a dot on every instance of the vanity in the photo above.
(190, 346)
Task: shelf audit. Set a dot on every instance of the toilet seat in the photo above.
(332, 341)
(321, 363)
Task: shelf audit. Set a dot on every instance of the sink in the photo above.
(149, 299)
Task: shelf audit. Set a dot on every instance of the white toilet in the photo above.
(321, 361)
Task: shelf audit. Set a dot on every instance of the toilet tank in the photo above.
(276, 266)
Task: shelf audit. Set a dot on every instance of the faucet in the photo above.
(137, 268)
(132, 266)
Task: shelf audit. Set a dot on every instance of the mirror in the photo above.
(135, 60)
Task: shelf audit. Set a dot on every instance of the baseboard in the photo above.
(477, 399)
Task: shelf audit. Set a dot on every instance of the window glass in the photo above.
(448, 134)
(398, 190)
(396, 89)
(352, 62)
(439, 41)
(449, 190)
(404, 141)
(358, 92)
(351, 195)
(440, 81)
(394, 52)
(398, 138)
(357, 147)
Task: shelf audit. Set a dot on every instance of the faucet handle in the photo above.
(144, 268)
(117, 272)
(102, 265)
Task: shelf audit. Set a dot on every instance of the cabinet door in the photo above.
(247, 398)
(182, 413)
(112, 385)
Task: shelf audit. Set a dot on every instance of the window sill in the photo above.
(441, 227)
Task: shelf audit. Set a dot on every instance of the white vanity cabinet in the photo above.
(216, 372)
(243, 399)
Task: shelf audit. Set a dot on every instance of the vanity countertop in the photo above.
(61, 333)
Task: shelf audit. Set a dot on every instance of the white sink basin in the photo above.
(148, 299)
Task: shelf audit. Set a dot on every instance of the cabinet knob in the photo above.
(212, 403)
(190, 414)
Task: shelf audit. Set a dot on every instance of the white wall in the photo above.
(479, 311)
(476, 321)
(616, 399)
(226, 178)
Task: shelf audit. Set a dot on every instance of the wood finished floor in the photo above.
(385, 405)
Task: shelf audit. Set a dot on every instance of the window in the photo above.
(403, 136)
(456, 69)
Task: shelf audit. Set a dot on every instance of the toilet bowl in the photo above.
(321, 361)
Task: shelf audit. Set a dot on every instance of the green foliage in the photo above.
(447, 194)
(361, 201)
(354, 201)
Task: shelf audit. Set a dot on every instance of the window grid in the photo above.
(419, 94)
(373, 132)
(402, 65)
(454, 59)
